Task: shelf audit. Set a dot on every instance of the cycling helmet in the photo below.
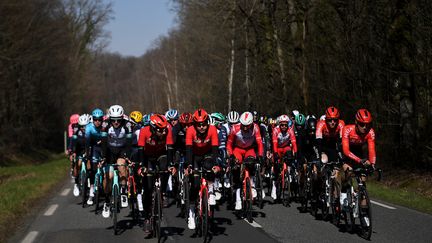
(363, 116)
(219, 117)
(89, 117)
(272, 121)
(263, 119)
(300, 120)
(186, 118)
(233, 117)
(200, 115)
(74, 118)
(323, 117)
(332, 113)
(97, 113)
(311, 123)
(172, 114)
(136, 116)
(146, 119)
(283, 118)
(246, 118)
(158, 121)
(83, 120)
(212, 121)
(116, 111)
(294, 113)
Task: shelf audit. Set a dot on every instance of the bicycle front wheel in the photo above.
(365, 216)
(286, 189)
(157, 214)
(115, 206)
(204, 214)
(83, 178)
(248, 201)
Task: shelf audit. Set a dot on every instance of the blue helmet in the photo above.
(172, 114)
(146, 120)
(97, 113)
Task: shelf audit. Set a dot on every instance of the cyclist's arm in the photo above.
(189, 141)
(258, 140)
(345, 147)
(275, 141)
(293, 140)
(214, 143)
(371, 147)
(230, 141)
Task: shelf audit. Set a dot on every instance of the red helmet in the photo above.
(332, 113)
(158, 121)
(74, 118)
(363, 116)
(185, 118)
(200, 115)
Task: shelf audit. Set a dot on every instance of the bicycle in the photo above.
(84, 181)
(115, 200)
(259, 186)
(203, 207)
(156, 209)
(330, 192)
(288, 180)
(131, 190)
(351, 204)
(247, 197)
(98, 187)
(308, 194)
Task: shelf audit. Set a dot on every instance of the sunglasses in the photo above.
(362, 124)
(332, 120)
(283, 125)
(116, 120)
(160, 130)
(201, 125)
(97, 119)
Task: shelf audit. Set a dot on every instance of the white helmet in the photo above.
(322, 118)
(295, 113)
(83, 120)
(284, 118)
(246, 118)
(116, 111)
(233, 117)
(212, 121)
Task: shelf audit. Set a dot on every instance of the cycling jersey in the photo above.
(153, 146)
(78, 142)
(242, 143)
(322, 131)
(350, 139)
(202, 144)
(284, 140)
(118, 137)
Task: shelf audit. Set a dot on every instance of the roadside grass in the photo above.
(402, 195)
(22, 186)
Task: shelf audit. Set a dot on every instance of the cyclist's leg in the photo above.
(148, 183)
(238, 154)
(164, 176)
(208, 164)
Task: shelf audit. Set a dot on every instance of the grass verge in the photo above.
(400, 196)
(22, 186)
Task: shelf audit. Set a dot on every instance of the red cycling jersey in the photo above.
(351, 137)
(199, 145)
(284, 139)
(322, 131)
(245, 139)
(152, 145)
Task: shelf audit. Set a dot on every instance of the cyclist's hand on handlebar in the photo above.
(216, 169)
(269, 155)
(187, 170)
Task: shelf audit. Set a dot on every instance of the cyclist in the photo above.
(94, 132)
(356, 139)
(146, 120)
(328, 137)
(172, 116)
(242, 140)
(157, 142)
(218, 120)
(78, 149)
(136, 118)
(201, 152)
(232, 118)
(117, 149)
(284, 144)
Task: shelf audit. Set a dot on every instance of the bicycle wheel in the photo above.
(204, 214)
(365, 216)
(349, 216)
(115, 200)
(157, 214)
(286, 189)
(132, 199)
(83, 179)
(335, 203)
(97, 192)
(248, 201)
(186, 204)
(259, 188)
(326, 197)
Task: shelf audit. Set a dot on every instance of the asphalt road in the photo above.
(62, 219)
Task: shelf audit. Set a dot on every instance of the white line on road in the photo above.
(65, 192)
(382, 205)
(31, 236)
(50, 211)
(254, 224)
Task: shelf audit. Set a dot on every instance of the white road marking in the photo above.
(31, 236)
(382, 205)
(50, 211)
(65, 192)
(254, 224)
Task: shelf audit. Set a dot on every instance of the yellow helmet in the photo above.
(136, 116)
